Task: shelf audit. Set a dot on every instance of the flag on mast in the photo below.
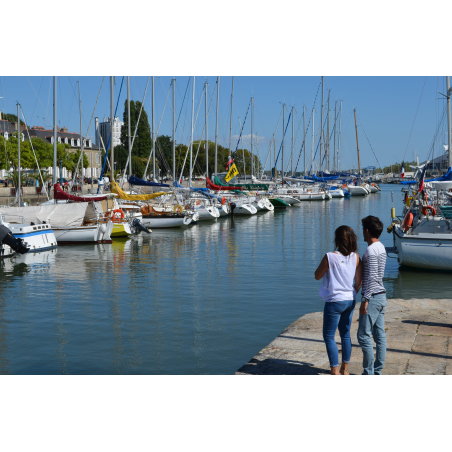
(403, 170)
(421, 182)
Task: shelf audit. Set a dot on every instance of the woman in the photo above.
(338, 270)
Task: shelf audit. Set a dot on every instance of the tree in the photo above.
(11, 118)
(142, 145)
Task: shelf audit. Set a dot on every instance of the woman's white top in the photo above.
(337, 284)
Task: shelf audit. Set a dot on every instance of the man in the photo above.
(373, 301)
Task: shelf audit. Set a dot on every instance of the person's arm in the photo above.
(358, 274)
(322, 268)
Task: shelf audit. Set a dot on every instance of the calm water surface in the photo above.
(201, 300)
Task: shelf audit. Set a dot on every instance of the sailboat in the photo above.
(423, 239)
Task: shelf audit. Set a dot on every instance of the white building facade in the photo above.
(104, 131)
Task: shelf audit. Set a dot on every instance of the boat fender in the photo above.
(426, 208)
(407, 221)
(178, 208)
(390, 228)
(223, 200)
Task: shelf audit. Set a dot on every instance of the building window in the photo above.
(78, 141)
(59, 139)
(72, 142)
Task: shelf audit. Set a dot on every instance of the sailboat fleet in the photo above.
(422, 234)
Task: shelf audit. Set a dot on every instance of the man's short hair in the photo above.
(373, 225)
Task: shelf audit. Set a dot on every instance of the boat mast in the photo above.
(129, 128)
(191, 137)
(334, 149)
(216, 126)
(18, 152)
(313, 139)
(357, 146)
(449, 92)
(252, 137)
(82, 147)
(112, 120)
(339, 137)
(153, 134)
(207, 141)
(174, 129)
(54, 130)
(304, 139)
(321, 124)
(291, 158)
(327, 147)
(282, 148)
(230, 125)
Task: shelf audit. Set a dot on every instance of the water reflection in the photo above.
(193, 300)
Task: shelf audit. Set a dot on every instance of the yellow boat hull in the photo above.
(121, 230)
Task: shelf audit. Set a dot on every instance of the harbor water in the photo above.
(200, 300)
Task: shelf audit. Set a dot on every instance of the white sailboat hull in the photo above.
(336, 193)
(159, 222)
(207, 213)
(263, 204)
(245, 209)
(357, 190)
(99, 233)
(424, 250)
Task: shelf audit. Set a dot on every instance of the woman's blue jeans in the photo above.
(338, 314)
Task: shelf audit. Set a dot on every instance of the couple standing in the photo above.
(343, 274)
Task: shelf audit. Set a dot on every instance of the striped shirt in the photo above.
(374, 261)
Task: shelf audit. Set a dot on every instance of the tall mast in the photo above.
(282, 149)
(112, 120)
(449, 92)
(129, 128)
(54, 130)
(328, 134)
(216, 126)
(174, 129)
(339, 137)
(313, 138)
(153, 133)
(252, 138)
(357, 146)
(18, 153)
(191, 136)
(82, 147)
(207, 142)
(321, 125)
(230, 125)
(304, 144)
(334, 149)
(291, 158)
(275, 173)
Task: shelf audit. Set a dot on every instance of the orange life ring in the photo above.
(425, 210)
(223, 200)
(114, 215)
(407, 221)
(344, 186)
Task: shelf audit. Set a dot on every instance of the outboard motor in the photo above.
(136, 223)
(7, 238)
(232, 205)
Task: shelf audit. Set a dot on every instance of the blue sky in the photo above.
(386, 109)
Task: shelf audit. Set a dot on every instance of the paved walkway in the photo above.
(418, 333)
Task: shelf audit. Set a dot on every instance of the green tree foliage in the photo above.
(142, 145)
(11, 118)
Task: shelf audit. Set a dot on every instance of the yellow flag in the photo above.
(233, 171)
